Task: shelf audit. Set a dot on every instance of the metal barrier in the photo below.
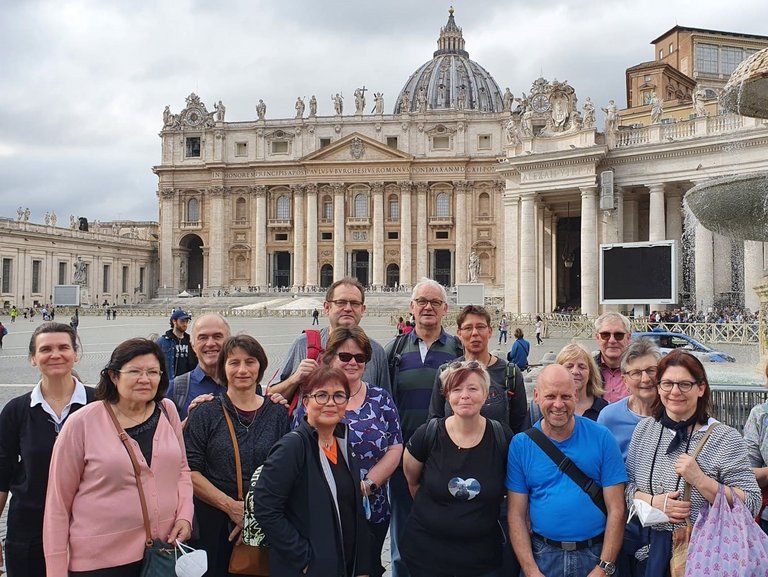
(731, 404)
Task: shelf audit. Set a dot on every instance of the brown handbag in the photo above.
(245, 559)
(681, 536)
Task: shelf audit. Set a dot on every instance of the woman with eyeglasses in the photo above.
(307, 499)
(94, 524)
(455, 467)
(756, 436)
(257, 422)
(659, 462)
(29, 425)
(374, 431)
(586, 375)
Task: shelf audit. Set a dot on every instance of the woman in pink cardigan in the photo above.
(93, 525)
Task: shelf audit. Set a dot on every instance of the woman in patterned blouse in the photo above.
(374, 430)
(756, 436)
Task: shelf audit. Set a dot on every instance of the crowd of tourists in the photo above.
(186, 454)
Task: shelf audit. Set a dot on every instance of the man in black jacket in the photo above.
(176, 345)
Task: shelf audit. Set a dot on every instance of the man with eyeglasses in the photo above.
(612, 333)
(416, 358)
(344, 305)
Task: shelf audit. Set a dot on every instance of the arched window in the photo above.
(283, 208)
(393, 207)
(240, 210)
(361, 206)
(442, 206)
(393, 275)
(327, 208)
(484, 204)
(193, 210)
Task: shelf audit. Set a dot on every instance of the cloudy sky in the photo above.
(83, 83)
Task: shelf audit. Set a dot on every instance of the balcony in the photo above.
(280, 223)
(191, 224)
(358, 222)
(240, 222)
(440, 221)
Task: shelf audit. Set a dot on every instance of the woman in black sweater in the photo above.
(29, 425)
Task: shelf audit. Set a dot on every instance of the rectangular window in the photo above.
(325, 142)
(730, 58)
(484, 142)
(647, 78)
(706, 58)
(441, 143)
(392, 235)
(441, 235)
(280, 147)
(241, 149)
(105, 279)
(7, 270)
(36, 266)
(327, 210)
(125, 279)
(193, 146)
(142, 272)
(392, 141)
(326, 236)
(62, 273)
(281, 236)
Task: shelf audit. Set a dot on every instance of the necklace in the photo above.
(360, 388)
(143, 416)
(490, 358)
(243, 425)
(327, 445)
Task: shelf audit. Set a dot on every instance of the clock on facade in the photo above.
(540, 103)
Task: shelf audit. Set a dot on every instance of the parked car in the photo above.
(668, 341)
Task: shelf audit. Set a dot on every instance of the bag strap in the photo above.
(181, 389)
(136, 471)
(570, 468)
(395, 358)
(238, 465)
(696, 451)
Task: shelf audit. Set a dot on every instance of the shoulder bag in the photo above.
(159, 556)
(245, 559)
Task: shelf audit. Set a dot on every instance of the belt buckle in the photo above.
(568, 545)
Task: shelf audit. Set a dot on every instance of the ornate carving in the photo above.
(167, 193)
(337, 128)
(377, 126)
(298, 190)
(218, 191)
(311, 188)
(259, 191)
(405, 186)
(461, 186)
(441, 130)
(377, 187)
(196, 115)
(422, 187)
(279, 136)
(357, 148)
(338, 187)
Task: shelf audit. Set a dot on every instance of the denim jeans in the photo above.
(401, 503)
(554, 562)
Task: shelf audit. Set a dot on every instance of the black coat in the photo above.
(293, 504)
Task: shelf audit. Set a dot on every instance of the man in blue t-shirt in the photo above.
(567, 527)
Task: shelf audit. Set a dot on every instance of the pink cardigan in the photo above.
(93, 514)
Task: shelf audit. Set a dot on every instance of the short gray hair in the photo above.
(640, 347)
(612, 316)
(198, 320)
(425, 282)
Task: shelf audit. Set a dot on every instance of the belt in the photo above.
(571, 545)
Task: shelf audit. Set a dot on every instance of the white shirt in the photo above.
(78, 396)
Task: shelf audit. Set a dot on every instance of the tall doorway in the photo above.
(442, 266)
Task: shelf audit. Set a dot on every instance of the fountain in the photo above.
(737, 206)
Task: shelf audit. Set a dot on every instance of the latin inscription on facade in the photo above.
(556, 173)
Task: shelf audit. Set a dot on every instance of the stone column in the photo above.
(675, 230)
(704, 268)
(511, 251)
(630, 216)
(656, 218)
(216, 264)
(461, 256)
(259, 260)
(406, 278)
(589, 266)
(312, 278)
(753, 273)
(528, 253)
(612, 221)
(421, 230)
(547, 250)
(377, 189)
(299, 237)
(339, 269)
(167, 225)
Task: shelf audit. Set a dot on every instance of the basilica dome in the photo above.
(450, 81)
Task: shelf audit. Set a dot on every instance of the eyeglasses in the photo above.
(606, 335)
(434, 303)
(153, 374)
(360, 358)
(470, 328)
(465, 365)
(344, 303)
(322, 398)
(684, 386)
(637, 374)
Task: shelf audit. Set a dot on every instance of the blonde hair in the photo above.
(575, 352)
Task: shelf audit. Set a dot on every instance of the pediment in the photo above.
(356, 147)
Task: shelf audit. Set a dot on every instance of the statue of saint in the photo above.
(405, 105)
(27, 213)
(20, 214)
(378, 100)
(53, 218)
(441, 94)
(611, 117)
(81, 272)
(261, 109)
(312, 107)
(588, 114)
(657, 108)
(474, 266)
(360, 100)
(698, 102)
(220, 110)
(421, 99)
(508, 100)
(338, 103)
(72, 222)
(299, 106)
(47, 218)
(167, 116)
(461, 101)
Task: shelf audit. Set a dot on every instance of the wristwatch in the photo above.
(371, 485)
(607, 567)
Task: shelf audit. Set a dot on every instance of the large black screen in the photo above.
(638, 273)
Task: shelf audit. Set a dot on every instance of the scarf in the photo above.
(679, 427)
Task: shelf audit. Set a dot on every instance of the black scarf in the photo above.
(679, 427)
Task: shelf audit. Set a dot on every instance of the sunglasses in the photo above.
(360, 358)
(606, 335)
(465, 365)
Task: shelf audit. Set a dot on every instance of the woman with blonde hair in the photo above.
(586, 375)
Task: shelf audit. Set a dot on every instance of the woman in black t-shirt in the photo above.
(455, 472)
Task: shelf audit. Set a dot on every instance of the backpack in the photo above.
(430, 435)
(314, 350)
(395, 357)
(181, 389)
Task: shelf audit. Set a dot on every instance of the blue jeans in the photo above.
(401, 504)
(554, 562)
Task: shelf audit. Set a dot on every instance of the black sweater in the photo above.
(27, 436)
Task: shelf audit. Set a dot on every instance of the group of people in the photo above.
(431, 438)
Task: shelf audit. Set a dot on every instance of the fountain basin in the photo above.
(733, 206)
(747, 90)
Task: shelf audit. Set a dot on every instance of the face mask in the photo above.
(191, 562)
(648, 515)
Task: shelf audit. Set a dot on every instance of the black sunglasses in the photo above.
(360, 358)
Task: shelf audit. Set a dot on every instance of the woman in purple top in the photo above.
(374, 431)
